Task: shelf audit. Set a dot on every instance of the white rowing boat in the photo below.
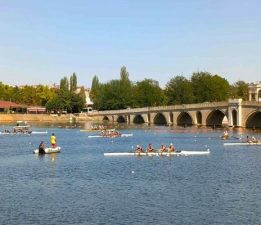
(107, 136)
(49, 150)
(182, 153)
(242, 143)
(39, 132)
(23, 133)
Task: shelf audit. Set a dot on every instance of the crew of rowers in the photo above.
(162, 148)
(110, 133)
(252, 140)
(15, 131)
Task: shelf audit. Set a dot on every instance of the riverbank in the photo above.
(83, 117)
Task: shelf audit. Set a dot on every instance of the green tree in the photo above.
(179, 91)
(28, 95)
(55, 104)
(64, 84)
(73, 82)
(148, 93)
(95, 92)
(110, 96)
(125, 88)
(43, 94)
(239, 90)
(207, 87)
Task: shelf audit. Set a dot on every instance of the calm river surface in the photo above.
(82, 186)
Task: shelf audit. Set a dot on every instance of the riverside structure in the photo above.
(234, 113)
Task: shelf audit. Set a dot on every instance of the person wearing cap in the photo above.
(171, 148)
(138, 149)
(53, 140)
(41, 148)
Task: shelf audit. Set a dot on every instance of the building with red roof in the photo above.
(8, 106)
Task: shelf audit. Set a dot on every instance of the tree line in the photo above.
(123, 93)
(64, 98)
(201, 87)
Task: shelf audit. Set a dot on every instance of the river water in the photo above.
(82, 186)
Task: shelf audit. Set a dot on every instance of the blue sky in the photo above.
(43, 41)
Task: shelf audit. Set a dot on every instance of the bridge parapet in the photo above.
(198, 106)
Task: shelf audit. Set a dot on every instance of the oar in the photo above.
(235, 137)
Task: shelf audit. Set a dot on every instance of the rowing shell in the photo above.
(49, 150)
(100, 136)
(183, 153)
(40, 132)
(242, 143)
(25, 133)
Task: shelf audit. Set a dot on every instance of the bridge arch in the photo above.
(105, 118)
(184, 119)
(160, 119)
(121, 119)
(171, 117)
(199, 117)
(254, 120)
(138, 119)
(215, 118)
(234, 117)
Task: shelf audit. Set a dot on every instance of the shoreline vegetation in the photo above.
(82, 117)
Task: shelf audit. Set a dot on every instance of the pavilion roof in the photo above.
(9, 104)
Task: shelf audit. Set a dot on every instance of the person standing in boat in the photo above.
(41, 148)
(53, 140)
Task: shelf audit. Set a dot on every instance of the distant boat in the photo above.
(22, 127)
(110, 133)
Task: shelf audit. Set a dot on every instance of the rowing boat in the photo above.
(23, 133)
(182, 153)
(49, 150)
(242, 143)
(108, 136)
(40, 132)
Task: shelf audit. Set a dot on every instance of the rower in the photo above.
(248, 140)
(138, 149)
(163, 148)
(171, 148)
(253, 139)
(150, 148)
(225, 134)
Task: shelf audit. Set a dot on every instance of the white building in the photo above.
(89, 103)
(254, 92)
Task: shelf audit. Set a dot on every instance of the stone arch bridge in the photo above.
(234, 113)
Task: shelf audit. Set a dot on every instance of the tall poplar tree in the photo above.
(73, 82)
